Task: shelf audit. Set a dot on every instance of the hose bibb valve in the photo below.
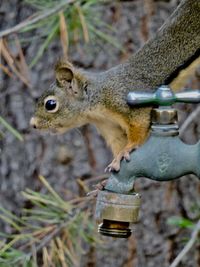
(163, 118)
(163, 157)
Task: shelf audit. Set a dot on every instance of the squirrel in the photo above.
(78, 97)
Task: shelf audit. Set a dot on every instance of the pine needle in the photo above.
(6, 70)
(22, 65)
(45, 45)
(7, 55)
(61, 253)
(64, 39)
(53, 192)
(11, 129)
(83, 23)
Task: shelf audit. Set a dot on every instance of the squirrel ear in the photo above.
(70, 79)
(64, 73)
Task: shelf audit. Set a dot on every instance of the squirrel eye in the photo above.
(51, 104)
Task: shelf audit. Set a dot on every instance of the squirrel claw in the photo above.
(126, 156)
(113, 166)
(109, 168)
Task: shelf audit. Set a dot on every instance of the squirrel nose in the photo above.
(33, 122)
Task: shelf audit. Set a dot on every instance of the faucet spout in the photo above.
(161, 158)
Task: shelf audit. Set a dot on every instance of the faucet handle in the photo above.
(163, 96)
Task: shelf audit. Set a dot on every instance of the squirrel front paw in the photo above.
(115, 164)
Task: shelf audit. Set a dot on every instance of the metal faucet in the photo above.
(163, 157)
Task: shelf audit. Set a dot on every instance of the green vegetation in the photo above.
(184, 222)
(181, 222)
(52, 233)
(74, 24)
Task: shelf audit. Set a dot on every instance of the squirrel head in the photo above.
(62, 106)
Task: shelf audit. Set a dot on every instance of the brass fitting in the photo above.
(164, 116)
(117, 211)
(164, 121)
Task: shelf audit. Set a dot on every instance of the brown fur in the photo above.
(100, 99)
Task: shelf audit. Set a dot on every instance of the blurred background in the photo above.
(94, 35)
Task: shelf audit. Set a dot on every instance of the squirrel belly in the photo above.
(122, 133)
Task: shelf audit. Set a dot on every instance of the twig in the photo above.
(188, 246)
(42, 16)
(189, 120)
(53, 234)
(91, 155)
